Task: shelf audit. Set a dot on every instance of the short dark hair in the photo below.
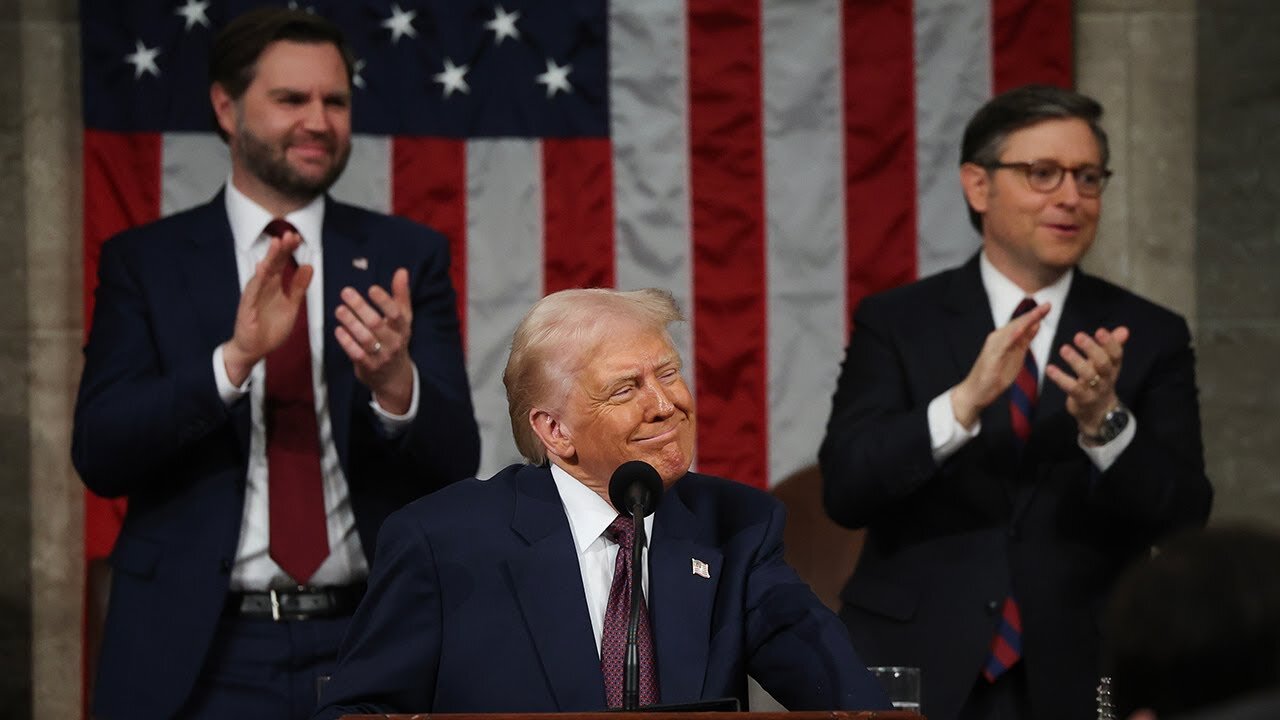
(1022, 107)
(1197, 624)
(233, 60)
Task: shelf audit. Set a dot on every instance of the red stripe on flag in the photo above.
(1031, 42)
(577, 201)
(429, 185)
(121, 190)
(880, 146)
(726, 168)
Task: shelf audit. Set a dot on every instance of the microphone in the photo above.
(634, 489)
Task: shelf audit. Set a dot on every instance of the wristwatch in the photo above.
(1116, 420)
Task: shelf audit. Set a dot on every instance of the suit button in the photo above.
(992, 606)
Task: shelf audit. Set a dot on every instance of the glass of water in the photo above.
(902, 685)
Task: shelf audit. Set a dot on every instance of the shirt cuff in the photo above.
(946, 434)
(394, 425)
(1104, 455)
(227, 391)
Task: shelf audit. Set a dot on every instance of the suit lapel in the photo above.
(547, 581)
(214, 282)
(346, 263)
(681, 601)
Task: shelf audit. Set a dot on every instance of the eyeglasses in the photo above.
(1046, 176)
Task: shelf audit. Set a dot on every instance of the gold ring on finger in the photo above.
(377, 348)
(1093, 381)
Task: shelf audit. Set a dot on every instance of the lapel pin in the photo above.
(701, 569)
(360, 263)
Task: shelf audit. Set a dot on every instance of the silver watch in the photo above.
(1112, 425)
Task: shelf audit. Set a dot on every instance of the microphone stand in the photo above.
(631, 662)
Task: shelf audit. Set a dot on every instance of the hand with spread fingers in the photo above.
(1095, 362)
(375, 335)
(997, 365)
(268, 308)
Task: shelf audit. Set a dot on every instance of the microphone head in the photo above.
(635, 484)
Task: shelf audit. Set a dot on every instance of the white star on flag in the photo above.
(143, 60)
(193, 13)
(356, 67)
(453, 78)
(400, 23)
(555, 78)
(503, 25)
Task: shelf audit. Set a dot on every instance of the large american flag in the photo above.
(770, 162)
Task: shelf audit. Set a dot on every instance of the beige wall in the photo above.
(1138, 56)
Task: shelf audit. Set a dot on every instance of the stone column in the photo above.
(47, 253)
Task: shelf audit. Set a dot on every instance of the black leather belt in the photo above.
(302, 603)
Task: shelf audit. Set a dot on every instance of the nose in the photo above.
(315, 117)
(1068, 193)
(661, 405)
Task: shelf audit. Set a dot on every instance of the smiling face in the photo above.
(290, 132)
(626, 401)
(1030, 236)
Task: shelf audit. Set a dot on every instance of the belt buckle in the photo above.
(275, 605)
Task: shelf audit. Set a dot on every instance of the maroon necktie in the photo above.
(613, 642)
(295, 490)
(1006, 643)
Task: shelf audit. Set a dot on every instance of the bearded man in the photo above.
(256, 384)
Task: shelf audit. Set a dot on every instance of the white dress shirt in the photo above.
(589, 517)
(946, 433)
(254, 569)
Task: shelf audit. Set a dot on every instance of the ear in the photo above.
(977, 186)
(555, 437)
(224, 108)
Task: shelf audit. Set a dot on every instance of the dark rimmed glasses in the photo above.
(1046, 176)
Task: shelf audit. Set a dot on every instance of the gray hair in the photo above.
(556, 337)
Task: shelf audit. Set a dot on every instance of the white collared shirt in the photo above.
(254, 569)
(589, 516)
(947, 435)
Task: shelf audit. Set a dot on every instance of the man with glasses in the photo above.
(1011, 432)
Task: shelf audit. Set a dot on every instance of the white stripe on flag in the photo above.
(804, 184)
(648, 97)
(504, 276)
(367, 180)
(953, 79)
(193, 166)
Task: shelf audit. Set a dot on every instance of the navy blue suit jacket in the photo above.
(946, 544)
(476, 605)
(150, 426)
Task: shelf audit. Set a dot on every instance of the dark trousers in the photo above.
(1004, 699)
(264, 669)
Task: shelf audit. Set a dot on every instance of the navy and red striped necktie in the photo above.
(1006, 643)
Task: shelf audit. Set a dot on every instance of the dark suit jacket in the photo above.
(149, 425)
(946, 544)
(476, 605)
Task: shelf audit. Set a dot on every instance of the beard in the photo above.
(268, 162)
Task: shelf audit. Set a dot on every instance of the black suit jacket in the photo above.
(476, 604)
(150, 426)
(946, 544)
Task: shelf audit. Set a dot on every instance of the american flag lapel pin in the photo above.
(360, 263)
(701, 569)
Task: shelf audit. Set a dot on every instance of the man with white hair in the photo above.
(502, 595)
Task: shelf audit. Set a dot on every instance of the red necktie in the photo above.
(295, 491)
(1006, 644)
(613, 642)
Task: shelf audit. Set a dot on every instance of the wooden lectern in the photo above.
(658, 715)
